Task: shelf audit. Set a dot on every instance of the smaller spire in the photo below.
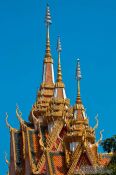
(48, 22)
(78, 77)
(59, 49)
(59, 85)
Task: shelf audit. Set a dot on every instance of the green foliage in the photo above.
(112, 165)
(109, 145)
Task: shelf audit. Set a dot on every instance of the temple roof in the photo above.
(56, 163)
(44, 145)
(105, 159)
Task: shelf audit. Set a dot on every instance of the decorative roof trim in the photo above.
(44, 72)
(97, 123)
(6, 160)
(49, 165)
(53, 79)
(14, 149)
(29, 149)
(101, 137)
(8, 125)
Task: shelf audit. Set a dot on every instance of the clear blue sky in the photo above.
(87, 29)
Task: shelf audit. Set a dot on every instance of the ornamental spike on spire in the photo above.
(78, 77)
(59, 49)
(78, 70)
(48, 22)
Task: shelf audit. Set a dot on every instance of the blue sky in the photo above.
(88, 31)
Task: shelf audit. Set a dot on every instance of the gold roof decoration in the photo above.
(19, 114)
(6, 160)
(101, 137)
(7, 123)
(97, 123)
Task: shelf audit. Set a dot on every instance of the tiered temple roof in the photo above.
(57, 139)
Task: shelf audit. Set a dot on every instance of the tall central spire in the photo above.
(78, 77)
(48, 22)
(48, 72)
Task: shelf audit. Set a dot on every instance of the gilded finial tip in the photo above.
(78, 59)
(59, 48)
(78, 70)
(48, 15)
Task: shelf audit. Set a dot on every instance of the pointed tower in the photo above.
(59, 103)
(78, 77)
(59, 85)
(48, 73)
(80, 135)
(47, 86)
(79, 111)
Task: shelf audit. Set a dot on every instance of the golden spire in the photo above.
(78, 77)
(59, 73)
(48, 71)
(59, 85)
(48, 22)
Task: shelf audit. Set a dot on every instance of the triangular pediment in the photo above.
(83, 160)
(83, 157)
(83, 164)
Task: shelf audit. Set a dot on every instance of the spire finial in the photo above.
(78, 77)
(48, 16)
(78, 70)
(48, 22)
(59, 49)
